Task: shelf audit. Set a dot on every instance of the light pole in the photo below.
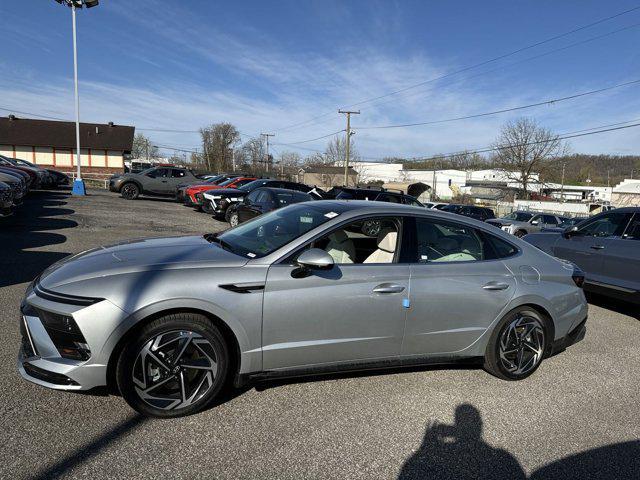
(78, 183)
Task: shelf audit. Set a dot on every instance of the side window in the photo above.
(385, 197)
(153, 173)
(606, 225)
(374, 240)
(633, 231)
(175, 173)
(536, 219)
(253, 196)
(501, 248)
(439, 241)
(550, 220)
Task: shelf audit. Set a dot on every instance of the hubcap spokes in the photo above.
(522, 345)
(174, 370)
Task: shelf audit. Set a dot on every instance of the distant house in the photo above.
(53, 144)
(626, 193)
(326, 176)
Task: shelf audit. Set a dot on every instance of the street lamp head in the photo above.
(79, 3)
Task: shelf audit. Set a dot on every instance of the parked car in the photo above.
(218, 202)
(606, 247)
(564, 223)
(211, 179)
(34, 175)
(376, 194)
(168, 321)
(520, 223)
(472, 211)
(263, 200)
(6, 200)
(16, 183)
(53, 178)
(154, 181)
(436, 205)
(190, 193)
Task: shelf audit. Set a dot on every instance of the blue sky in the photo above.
(265, 66)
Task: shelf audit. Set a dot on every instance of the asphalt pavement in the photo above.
(577, 417)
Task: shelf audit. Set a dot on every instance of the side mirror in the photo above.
(570, 231)
(315, 259)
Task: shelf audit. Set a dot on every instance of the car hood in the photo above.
(132, 256)
(234, 192)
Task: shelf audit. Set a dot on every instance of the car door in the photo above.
(349, 314)
(158, 180)
(621, 259)
(254, 205)
(177, 177)
(459, 286)
(585, 246)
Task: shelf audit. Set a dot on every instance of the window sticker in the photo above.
(306, 219)
(331, 214)
(250, 254)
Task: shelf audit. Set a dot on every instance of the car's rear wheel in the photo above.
(130, 191)
(174, 366)
(517, 345)
(228, 212)
(234, 220)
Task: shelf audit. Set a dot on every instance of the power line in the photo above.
(469, 67)
(505, 110)
(565, 136)
(318, 138)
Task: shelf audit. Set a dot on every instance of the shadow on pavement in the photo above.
(619, 306)
(458, 451)
(33, 226)
(90, 450)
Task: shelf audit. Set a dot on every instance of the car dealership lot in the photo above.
(392, 425)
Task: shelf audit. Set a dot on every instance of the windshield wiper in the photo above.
(213, 238)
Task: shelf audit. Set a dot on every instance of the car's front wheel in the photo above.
(517, 345)
(130, 191)
(174, 366)
(234, 220)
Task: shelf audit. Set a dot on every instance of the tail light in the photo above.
(578, 276)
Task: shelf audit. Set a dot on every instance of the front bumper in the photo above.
(39, 359)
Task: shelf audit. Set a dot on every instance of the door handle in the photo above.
(495, 286)
(597, 247)
(388, 288)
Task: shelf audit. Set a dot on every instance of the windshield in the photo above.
(519, 216)
(267, 233)
(249, 187)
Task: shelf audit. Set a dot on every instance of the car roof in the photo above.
(281, 190)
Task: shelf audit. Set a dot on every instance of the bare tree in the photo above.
(143, 148)
(252, 154)
(525, 150)
(218, 141)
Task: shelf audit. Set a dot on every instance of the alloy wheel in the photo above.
(522, 344)
(129, 191)
(233, 220)
(175, 369)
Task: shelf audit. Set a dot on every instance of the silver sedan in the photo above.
(314, 287)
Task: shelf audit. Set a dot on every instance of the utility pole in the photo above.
(562, 183)
(347, 146)
(266, 136)
(607, 177)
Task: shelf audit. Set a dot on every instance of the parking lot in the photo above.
(577, 417)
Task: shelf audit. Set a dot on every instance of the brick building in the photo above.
(53, 144)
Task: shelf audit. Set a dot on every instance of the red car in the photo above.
(190, 193)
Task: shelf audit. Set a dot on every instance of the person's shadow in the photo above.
(457, 451)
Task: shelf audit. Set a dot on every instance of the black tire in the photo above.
(234, 219)
(130, 191)
(203, 339)
(520, 233)
(228, 212)
(499, 365)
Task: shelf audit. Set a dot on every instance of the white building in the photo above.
(626, 193)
